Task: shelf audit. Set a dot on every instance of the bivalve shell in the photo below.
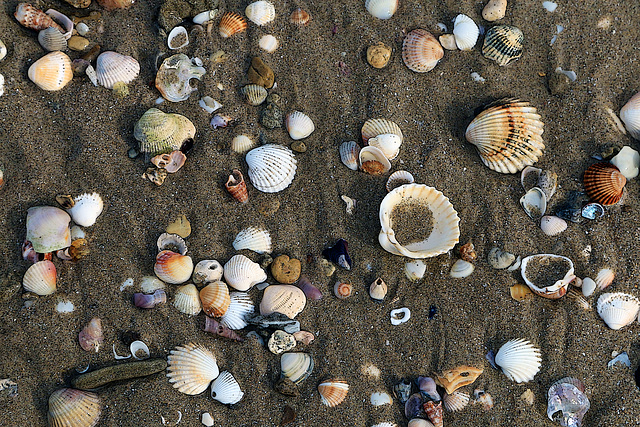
(503, 44)
(299, 125)
(215, 299)
(86, 209)
(160, 132)
(254, 94)
(399, 178)
(519, 360)
(187, 300)
(69, 407)
(421, 51)
(271, 167)
(604, 278)
(349, 152)
(191, 368)
(225, 389)
(381, 9)
(456, 401)
(242, 144)
(231, 23)
(174, 77)
(178, 38)
(113, 67)
(268, 43)
(40, 278)
(380, 398)
(534, 203)
(466, 32)
(52, 39)
(51, 72)
(547, 275)
(286, 299)
(299, 17)
(260, 12)
(388, 143)
(552, 225)
(627, 161)
(48, 228)
(296, 366)
(373, 161)
(240, 307)
(604, 183)
(461, 269)
(374, 127)
(172, 267)
(630, 115)
(618, 309)
(242, 274)
(333, 392)
(253, 238)
(589, 286)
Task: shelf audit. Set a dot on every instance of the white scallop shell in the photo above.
(187, 300)
(268, 43)
(630, 115)
(519, 359)
(618, 309)
(299, 125)
(380, 398)
(112, 67)
(349, 152)
(40, 278)
(208, 270)
(242, 144)
(260, 12)
(225, 389)
(604, 278)
(552, 225)
(241, 273)
(388, 143)
(86, 209)
(177, 32)
(399, 178)
(240, 308)
(381, 9)
(466, 32)
(253, 238)
(191, 368)
(271, 167)
(461, 269)
(370, 153)
(456, 401)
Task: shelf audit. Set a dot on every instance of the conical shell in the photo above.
(187, 300)
(374, 127)
(241, 273)
(508, 135)
(40, 278)
(173, 79)
(113, 67)
(254, 94)
(630, 115)
(271, 167)
(519, 359)
(503, 44)
(86, 209)
(69, 407)
(299, 125)
(456, 401)
(192, 368)
(373, 161)
(31, 17)
(381, 9)
(445, 232)
(286, 299)
(268, 43)
(547, 275)
(466, 32)
(48, 228)
(453, 379)
(215, 299)
(388, 143)
(178, 38)
(349, 152)
(434, 413)
(240, 307)
(172, 267)
(604, 183)
(253, 238)
(399, 178)
(604, 278)
(552, 225)
(51, 39)
(225, 389)
(260, 12)
(51, 72)
(230, 24)
(236, 186)
(300, 17)
(378, 289)
(333, 392)
(618, 309)
(296, 366)
(421, 51)
(159, 132)
(242, 143)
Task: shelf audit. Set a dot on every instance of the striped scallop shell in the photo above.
(254, 94)
(52, 39)
(296, 366)
(225, 389)
(399, 178)
(466, 32)
(604, 278)
(69, 407)
(160, 132)
(503, 44)
(618, 309)
(381, 9)
(253, 238)
(333, 392)
(299, 125)
(268, 43)
(456, 401)
(630, 115)
(113, 67)
(349, 153)
(215, 299)
(421, 51)
(299, 17)
(261, 12)
(271, 167)
(241, 306)
(51, 72)
(604, 183)
(373, 161)
(374, 127)
(231, 23)
(40, 278)
(187, 300)
(552, 225)
(507, 135)
(242, 144)
(192, 368)
(172, 267)
(286, 299)
(242, 274)
(519, 359)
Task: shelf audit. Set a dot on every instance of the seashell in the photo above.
(380, 398)
(209, 104)
(178, 38)
(604, 183)
(141, 300)
(520, 292)
(381, 9)
(310, 291)
(413, 407)
(627, 161)
(296, 366)
(503, 44)
(171, 162)
(552, 225)
(299, 125)
(260, 12)
(160, 132)
(113, 67)
(547, 182)
(577, 296)
(187, 300)
(206, 16)
(618, 309)
(31, 17)
(115, 4)
(206, 271)
(236, 186)
(588, 286)
(86, 209)
(534, 203)
(529, 177)
(174, 77)
(373, 161)
(211, 325)
(428, 388)
(448, 41)
(468, 252)
(191, 368)
(139, 350)
(231, 23)
(91, 337)
(215, 299)
(519, 360)
(253, 238)
(51, 72)
(333, 392)
(342, 290)
(339, 254)
(420, 422)
(71, 407)
(375, 127)
(456, 401)
(399, 178)
(443, 234)
(415, 270)
(604, 278)
(388, 143)
(242, 143)
(51, 39)
(507, 135)
(378, 55)
(592, 211)
(494, 10)
(242, 274)
(349, 152)
(421, 51)
(466, 32)
(240, 307)
(567, 395)
(461, 269)
(434, 412)
(500, 259)
(484, 399)
(547, 275)
(151, 284)
(378, 289)
(299, 17)
(630, 115)
(268, 43)
(48, 228)
(271, 167)
(225, 389)
(172, 267)
(453, 379)
(400, 315)
(286, 299)
(254, 94)
(40, 278)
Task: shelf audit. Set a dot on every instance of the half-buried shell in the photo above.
(618, 309)
(503, 44)
(192, 368)
(421, 51)
(374, 127)
(296, 366)
(160, 132)
(254, 94)
(70, 407)
(604, 183)
(253, 238)
(271, 167)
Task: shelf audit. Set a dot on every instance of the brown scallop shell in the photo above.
(300, 17)
(453, 379)
(421, 51)
(31, 17)
(604, 183)
(215, 299)
(231, 23)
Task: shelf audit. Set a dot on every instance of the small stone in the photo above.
(180, 226)
(266, 261)
(77, 43)
(273, 98)
(155, 175)
(259, 73)
(494, 10)
(299, 147)
(287, 387)
(121, 89)
(271, 116)
(285, 270)
(327, 267)
(269, 207)
(133, 153)
(281, 342)
(378, 55)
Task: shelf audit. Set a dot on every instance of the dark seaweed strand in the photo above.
(124, 371)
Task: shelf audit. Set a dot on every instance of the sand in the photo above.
(76, 140)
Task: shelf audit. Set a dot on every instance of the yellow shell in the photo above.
(172, 267)
(160, 132)
(69, 407)
(187, 300)
(455, 378)
(503, 44)
(215, 299)
(52, 71)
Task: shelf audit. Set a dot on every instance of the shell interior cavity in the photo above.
(534, 203)
(178, 38)
(296, 366)
(547, 275)
(174, 77)
(271, 167)
(253, 238)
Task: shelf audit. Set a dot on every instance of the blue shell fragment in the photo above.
(338, 254)
(593, 211)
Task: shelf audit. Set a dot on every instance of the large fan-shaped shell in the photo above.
(271, 167)
(381, 9)
(86, 209)
(547, 275)
(445, 231)
(231, 23)
(466, 32)
(240, 307)
(225, 389)
(296, 366)
(51, 72)
(333, 392)
(508, 135)
(503, 44)
(69, 407)
(187, 300)
(191, 368)
(40, 278)
(618, 309)
(260, 12)
(630, 115)
(374, 127)
(253, 238)
(48, 228)
(286, 299)
(241, 273)
(159, 132)
(172, 267)
(113, 67)
(519, 360)
(215, 299)
(299, 125)
(421, 51)
(604, 183)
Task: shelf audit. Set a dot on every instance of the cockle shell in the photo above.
(70, 407)
(547, 275)
(299, 125)
(519, 360)
(627, 161)
(503, 44)
(456, 401)
(399, 178)
(508, 135)
(240, 307)
(373, 161)
(242, 143)
(349, 154)
(388, 143)
(604, 278)
(178, 38)
(381, 9)
(91, 336)
(172, 267)
(172, 242)
(191, 368)
(618, 309)
(604, 183)
(268, 43)
(333, 392)
(231, 23)
(630, 115)
(187, 300)
(296, 366)
(374, 127)
(253, 238)
(160, 132)
(174, 76)
(271, 167)
(40, 278)
(254, 94)
(421, 51)
(299, 17)
(242, 274)
(445, 230)
(236, 186)
(86, 209)
(215, 299)
(286, 299)
(453, 379)
(48, 228)
(260, 12)
(466, 32)
(113, 67)
(552, 225)
(415, 270)
(208, 270)
(225, 389)
(31, 17)
(51, 72)
(51, 39)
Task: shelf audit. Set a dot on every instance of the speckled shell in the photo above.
(260, 12)
(172, 267)
(69, 407)
(519, 360)
(286, 299)
(508, 135)
(374, 127)
(240, 307)
(31, 17)
(618, 309)
(349, 153)
(271, 167)
(187, 300)
(40, 278)
(456, 401)
(421, 51)
(51, 72)
(296, 366)
(604, 278)
(225, 389)
(552, 225)
(113, 67)
(503, 44)
(399, 178)
(192, 368)
(381, 9)
(253, 238)
(333, 392)
(242, 274)
(254, 94)
(215, 299)
(51, 39)
(466, 32)
(231, 23)
(174, 76)
(299, 17)
(159, 132)
(86, 209)
(299, 125)
(604, 183)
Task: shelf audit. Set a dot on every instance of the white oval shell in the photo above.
(561, 282)
(177, 32)
(400, 315)
(588, 286)
(268, 43)
(205, 16)
(519, 359)
(260, 12)
(381, 9)
(225, 389)
(208, 270)
(240, 308)
(461, 269)
(299, 125)
(370, 153)
(86, 209)
(191, 368)
(604, 278)
(380, 398)
(349, 152)
(466, 32)
(187, 300)
(630, 115)
(271, 167)
(253, 238)
(112, 67)
(399, 178)
(388, 143)
(241, 273)
(618, 309)
(552, 225)
(40, 278)
(627, 161)
(242, 144)
(415, 270)
(296, 366)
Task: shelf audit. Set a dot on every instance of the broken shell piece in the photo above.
(415, 270)
(577, 296)
(268, 43)
(547, 182)
(380, 398)
(209, 104)
(466, 32)
(339, 254)
(455, 378)
(529, 177)
(547, 275)
(178, 38)
(588, 286)
(519, 360)
(213, 326)
(139, 350)
(399, 178)
(483, 398)
(191, 368)
(172, 242)
(552, 225)
(400, 315)
(91, 337)
(141, 300)
(494, 10)
(500, 259)
(206, 16)
(461, 269)
(226, 390)
(618, 309)
(378, 289)
(534, 203)
(468, 252)
(434, 413)
(174, 76)
(280, 342)
(349, 154)
(333, 392)
(171, 162)
(567, 396)
(206, 271)
(428, 387)
(627, 161)
(604, 278)
(448, 41)
(378, 55)
(253, 238)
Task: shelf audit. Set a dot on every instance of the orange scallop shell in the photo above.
(333, 392)
(231, 23)
(421, 51)
(40, 278)
(172, 267)
(300, 17)
(604, 183)
(215, 299)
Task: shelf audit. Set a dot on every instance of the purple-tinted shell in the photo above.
(413, 407)
(428, 387)
(214, 327)
(310, 291)
(491, 357)
(150, 301)
(91, 337)
(338, 254)
(28, 253)
(219, 121)
(567, 397)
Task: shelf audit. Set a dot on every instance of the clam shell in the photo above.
(380, 398)
(52, 39)
(215, 299)
(241, 273)
(399, 178)
(627, 161)
(113, 67)
(174, 76)
(453, 379)
(604, 183)
(588, 286)
(70, 407)
(618, 309)
(299, 125)
(461, 269)
(268, 43)
(286, 299)
(349, 152)
(253, 238)
(503, 44)
(51, 72)
(388, 143)
(333, 392)
(260, 12)
(456, 401)
(48, 228)
(178, 38)
(552, 225)
(499, 259)
(86, 209)
(381, 9)
(225, 389)
(630, 115)
(236, 186)
(172, 267)
(373, 161)
(534, 203)
(208, 270)
(160, 132)
(40, 278)
(508, 135)
(242, 143)
(296, 366)
(231, 23)
(254, 94)
(187, 300)
(519, 360)
(466, 32)
(548, 182)
(299, 17)
(537, 271)
(421, 51)
(191, 368)
(604, 278)
(240, 307)
(520, 292)
(271, 167)
(374, 127)
(445, 233)
(529, 177)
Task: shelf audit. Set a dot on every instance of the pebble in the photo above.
(299, 147)
(269, 207)
(494, 10)
(280, 342)
(378, 55)
(123, 371)
(287, 387)
(180, 226)
(558, 83)
(285, 270)
(78, 43)
(327, 267)
(271, 116)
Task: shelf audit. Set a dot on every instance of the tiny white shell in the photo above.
(519, 359)
(150, 284)
(208, 270)
(605, 278)
(268, 43)
(618, 309)
(240, 308)
(271, 167)
(191, 368)
(400, 315)
(112, 67)
(209, 104)
(552, 225)
(299, 125)
(139, 350)
(82, 29)
(86, 209)
(207, 420)
(349, 152)
(388, 143)
(205, 16)
(461, 269)
(381, 9)
(380, 398)
(178, 38)
(253, 238)
(414, 270)
(466, 32)
(260, 12)
(225, 389)
(242, 144)
(588, 286)
(242, 274)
